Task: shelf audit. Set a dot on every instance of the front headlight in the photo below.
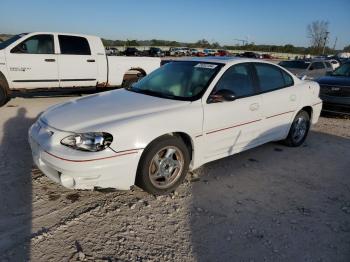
(92, 142)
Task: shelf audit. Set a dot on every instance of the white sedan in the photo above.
(184, 114)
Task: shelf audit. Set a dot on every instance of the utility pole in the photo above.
(325, 42)
(335, 43)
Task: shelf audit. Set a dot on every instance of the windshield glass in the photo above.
(295, 64)
(343, 70)
(10, 41)
(178, 80)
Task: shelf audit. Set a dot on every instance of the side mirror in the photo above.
(311, 68)
(223, 95)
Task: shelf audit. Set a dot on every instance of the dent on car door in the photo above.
(77, 63)
(230, 127)
(33, 63)
(280, 100)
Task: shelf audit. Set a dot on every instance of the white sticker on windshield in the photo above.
(207, 66)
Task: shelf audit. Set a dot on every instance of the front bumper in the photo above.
(115, 171)
(336, 104)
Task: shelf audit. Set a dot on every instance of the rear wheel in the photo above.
(4, 94)
(163, 166)
(299, 129)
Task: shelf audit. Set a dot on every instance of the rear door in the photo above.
(280, 100)
(33, 63)
(76, 63)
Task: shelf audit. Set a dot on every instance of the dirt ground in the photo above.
(272, 203)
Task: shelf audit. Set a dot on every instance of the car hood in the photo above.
(334, 80)
(82, 113)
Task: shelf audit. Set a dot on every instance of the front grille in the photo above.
(335, 90)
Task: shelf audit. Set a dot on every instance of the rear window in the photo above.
(317, 65)
(295, 64)
(74, 45)
(328, 65)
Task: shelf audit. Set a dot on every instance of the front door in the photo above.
(77, 65)
(33, 63)
(230, 127)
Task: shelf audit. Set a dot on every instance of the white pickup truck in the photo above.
(59, 60)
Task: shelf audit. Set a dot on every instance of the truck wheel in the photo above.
(4, 92)
(128, 81)
(299, 129)
(163, 165)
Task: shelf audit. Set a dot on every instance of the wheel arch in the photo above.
(309, 110)
(185, 137)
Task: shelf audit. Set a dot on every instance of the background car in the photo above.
(210, 52)
(132, 51)
(154, 52)
(335, 90)
(310, 69)
(250, 55)
(335, 64)
(112, 51)
(267, 56)
(194, 51)
(222, 52)
(177, 51)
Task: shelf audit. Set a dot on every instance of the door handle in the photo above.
(254, 107)
(50, 60)
(90, 60)
(292, 97)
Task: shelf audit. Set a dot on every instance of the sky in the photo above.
(262, 22)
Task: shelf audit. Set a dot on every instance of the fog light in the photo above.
(67, 181)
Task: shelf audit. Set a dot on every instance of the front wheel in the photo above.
(299, 129)
(163, 166)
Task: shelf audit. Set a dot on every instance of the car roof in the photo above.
(219, 59)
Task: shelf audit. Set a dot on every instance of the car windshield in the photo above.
(183, 80)
(343, 70)
(10, 41)
(295, 64)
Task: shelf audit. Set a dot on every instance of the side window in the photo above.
(38, 44)
(270, 77)
(329, 66)
(288, 80)
(74, 45)
(317, 65)
(237, 79)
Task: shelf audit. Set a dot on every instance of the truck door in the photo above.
(76, 63)
(33, 63)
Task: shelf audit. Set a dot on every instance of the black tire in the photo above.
(4, 92)
(148, 181)
(299, 130)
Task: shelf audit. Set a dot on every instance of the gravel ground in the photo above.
(272, 203)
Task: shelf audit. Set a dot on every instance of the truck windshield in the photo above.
(10, 41)
(343, 70)
(183, 80)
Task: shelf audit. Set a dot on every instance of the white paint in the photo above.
(135, 120)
